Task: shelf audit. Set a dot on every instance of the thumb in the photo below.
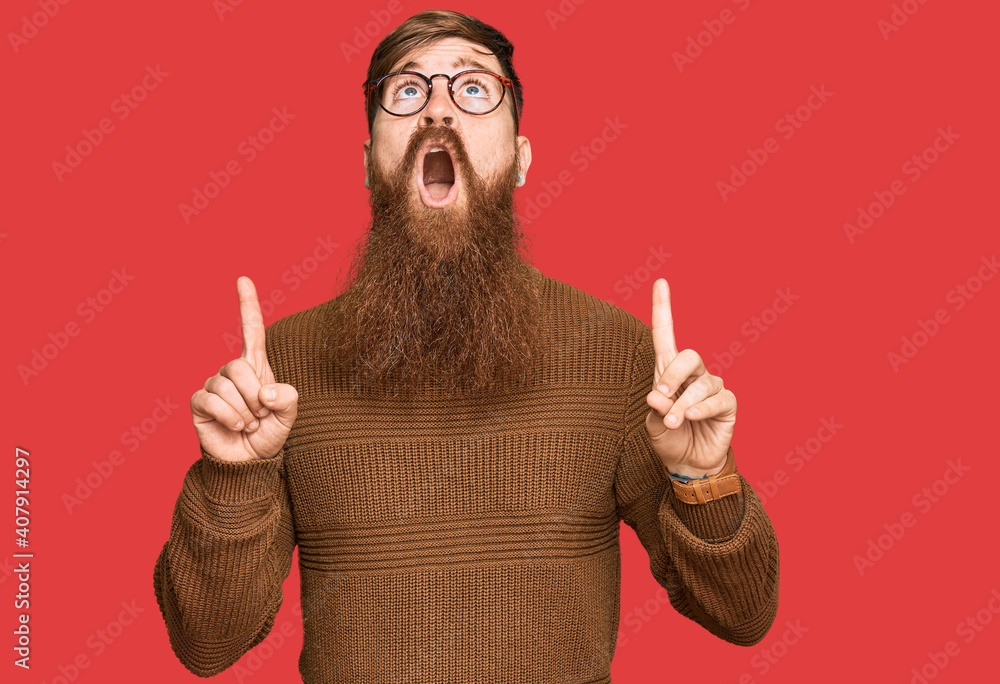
(282, 399)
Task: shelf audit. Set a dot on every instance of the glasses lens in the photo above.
(478, 93)
(402, 93)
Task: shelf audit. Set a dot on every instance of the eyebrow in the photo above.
(460, 62)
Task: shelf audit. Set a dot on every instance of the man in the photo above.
(453, 441)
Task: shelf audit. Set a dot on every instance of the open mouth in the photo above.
(436, 174)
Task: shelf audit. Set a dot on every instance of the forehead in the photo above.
(447, 55)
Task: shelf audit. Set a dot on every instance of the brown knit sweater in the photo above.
(460, 540)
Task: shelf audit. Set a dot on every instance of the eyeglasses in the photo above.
(475, 91)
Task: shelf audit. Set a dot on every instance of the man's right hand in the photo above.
(234, 415)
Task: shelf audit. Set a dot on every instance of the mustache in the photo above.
(445, 134)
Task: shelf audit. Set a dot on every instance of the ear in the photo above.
(523, 154)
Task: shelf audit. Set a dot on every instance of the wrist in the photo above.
(709, 487)
(689, 473)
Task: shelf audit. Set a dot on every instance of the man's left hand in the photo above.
(691, 422)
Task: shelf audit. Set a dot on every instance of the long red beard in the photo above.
(439, 299)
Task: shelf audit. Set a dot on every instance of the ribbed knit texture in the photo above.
(462, 540)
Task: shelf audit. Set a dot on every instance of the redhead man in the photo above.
(453, 441)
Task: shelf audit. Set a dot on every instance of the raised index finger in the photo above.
(252, 321)
(662, 328)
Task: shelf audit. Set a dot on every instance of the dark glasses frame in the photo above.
(371, 91)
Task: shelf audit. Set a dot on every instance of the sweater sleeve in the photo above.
(718, 561)
(218, 577)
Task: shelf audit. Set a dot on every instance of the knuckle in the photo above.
(212, 402)
(703, 391)
(696, 386)
(237, 401)
(210, 406)
(233, 413)
(250, 397)
(231, 368)
(217, 384)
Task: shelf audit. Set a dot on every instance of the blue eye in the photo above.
(407, 90)
(405, 87)
(475, 89)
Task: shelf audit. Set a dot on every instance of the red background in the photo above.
(654, 184)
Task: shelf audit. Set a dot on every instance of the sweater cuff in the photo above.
(240, 481)
(713, 521)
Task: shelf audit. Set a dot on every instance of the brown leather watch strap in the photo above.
(711, 488)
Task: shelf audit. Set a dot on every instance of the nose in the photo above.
(440, 109)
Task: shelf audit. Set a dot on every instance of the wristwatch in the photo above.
(711, 488)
